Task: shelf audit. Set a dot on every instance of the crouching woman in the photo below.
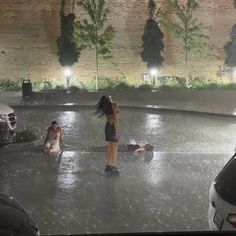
(53, 141)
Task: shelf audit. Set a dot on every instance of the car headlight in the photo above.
(3, 118)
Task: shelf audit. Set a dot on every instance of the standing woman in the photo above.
(110, 109)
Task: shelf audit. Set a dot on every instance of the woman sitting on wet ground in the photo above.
(53, 141)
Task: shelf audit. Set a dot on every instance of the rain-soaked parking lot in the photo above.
(166, 190)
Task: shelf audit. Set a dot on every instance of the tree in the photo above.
(152, 8)
(152, 40)
(92, 34)
(67, 50)
(185, 28)
(230, 49)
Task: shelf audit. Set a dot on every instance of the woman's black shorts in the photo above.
(110, 133)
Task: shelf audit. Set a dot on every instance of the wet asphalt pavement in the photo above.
(166, 190)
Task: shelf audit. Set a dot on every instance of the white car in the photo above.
(222, 196)
(7, 124)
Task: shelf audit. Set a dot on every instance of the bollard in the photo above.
(26, 88)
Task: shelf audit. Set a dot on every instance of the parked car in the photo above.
(7, 124)
(14, 220)
(222, 196)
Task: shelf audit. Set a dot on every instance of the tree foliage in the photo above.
(152, 39)
(67, 50)
(92, 33)
(186, 28)
(152, 44)
(152, 8)
(230, 49)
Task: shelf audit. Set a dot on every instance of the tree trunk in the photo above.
(186, 54)
(96, 49)
(186, 68)
(96, 67)
(72, 6)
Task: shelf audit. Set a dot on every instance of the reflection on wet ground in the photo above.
(164, 190)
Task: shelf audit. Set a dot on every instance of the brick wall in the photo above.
(29, 29)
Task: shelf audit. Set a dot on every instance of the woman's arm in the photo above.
(60, 139)
(46, 139)
(115, 115)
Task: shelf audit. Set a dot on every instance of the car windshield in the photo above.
(225, 182)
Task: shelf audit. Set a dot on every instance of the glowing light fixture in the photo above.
(67, 73)
(153, 71)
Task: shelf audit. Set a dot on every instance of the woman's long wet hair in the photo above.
(54, 122)
(104, 106)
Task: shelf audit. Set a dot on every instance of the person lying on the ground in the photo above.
(53, 141)
(138, 148)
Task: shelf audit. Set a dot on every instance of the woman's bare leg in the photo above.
(46, 149)
(114, 153)
(109, 153)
